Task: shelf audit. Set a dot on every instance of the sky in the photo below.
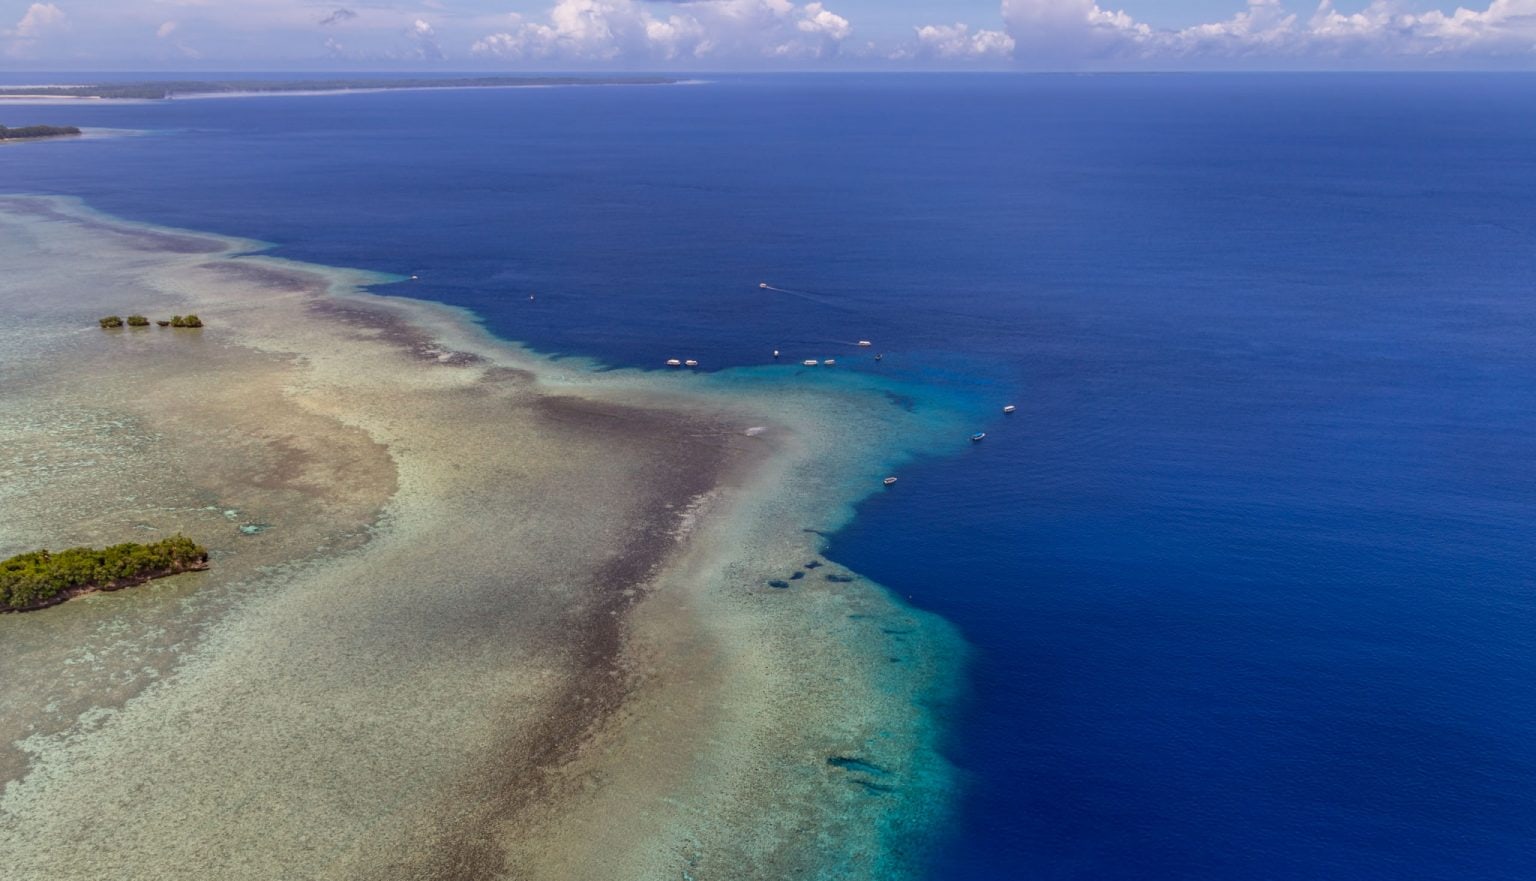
(720, 35)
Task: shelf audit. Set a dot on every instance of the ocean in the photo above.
(1249, 575)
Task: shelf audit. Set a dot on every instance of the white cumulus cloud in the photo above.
(634, 31)
(1047, 32)
(957, 41)
(38, 18)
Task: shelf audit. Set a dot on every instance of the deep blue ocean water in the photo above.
(1250, 573)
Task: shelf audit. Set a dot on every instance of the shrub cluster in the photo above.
(141, 321)
(32, 579)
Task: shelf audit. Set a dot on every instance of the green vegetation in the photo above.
(36, 131)
(112, 321)
(169, 88)
(38, 579)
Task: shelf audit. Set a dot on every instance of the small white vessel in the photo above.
(673, 362)
(889, 480)
(691, 363)
(865, 344)
(763, 285)
(829, 362)
(775, 353)
(1010, 408)
(810, 362)
(978, 437)
(415, 278)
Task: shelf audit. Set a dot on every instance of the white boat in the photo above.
(673, 362)
(763, 285)
(978, 437)
(829, 362)
(691, 363)
(811, 362)
(865, 343)
(889, 480)
(775, 353)
(1010, 408)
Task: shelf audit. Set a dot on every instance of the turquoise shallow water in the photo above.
(1247, 576)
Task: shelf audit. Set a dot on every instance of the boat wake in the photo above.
(808, 296)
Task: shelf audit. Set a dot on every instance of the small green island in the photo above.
(112, 322)
(39, 579)
(25, 132)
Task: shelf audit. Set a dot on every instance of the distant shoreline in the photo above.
(171, 89)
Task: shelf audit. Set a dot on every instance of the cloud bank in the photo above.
(1081, 32)
(769, 34)
(631, 30)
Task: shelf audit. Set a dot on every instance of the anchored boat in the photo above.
(889, 480)
(673, 362)
(1010, 408)
(978, 436)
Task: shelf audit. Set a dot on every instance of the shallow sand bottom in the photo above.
(470, 615)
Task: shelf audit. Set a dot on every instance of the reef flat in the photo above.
(476, 614)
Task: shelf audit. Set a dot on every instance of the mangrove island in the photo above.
(40, 578)
(24, 132)
(112, 322)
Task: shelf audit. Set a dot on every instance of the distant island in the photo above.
(162, 90)
(39, 579)
(36, 131)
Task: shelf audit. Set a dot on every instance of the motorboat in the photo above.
(829, 362)
(864, 344)
(1010, 408)
(978, 437)
(889, 480)
(763, 285)
(673, 362)
(691, 363)
(775, 353)
(809, 362)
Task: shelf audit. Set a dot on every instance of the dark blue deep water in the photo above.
(1250, 574)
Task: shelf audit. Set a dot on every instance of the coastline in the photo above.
(553, 579)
